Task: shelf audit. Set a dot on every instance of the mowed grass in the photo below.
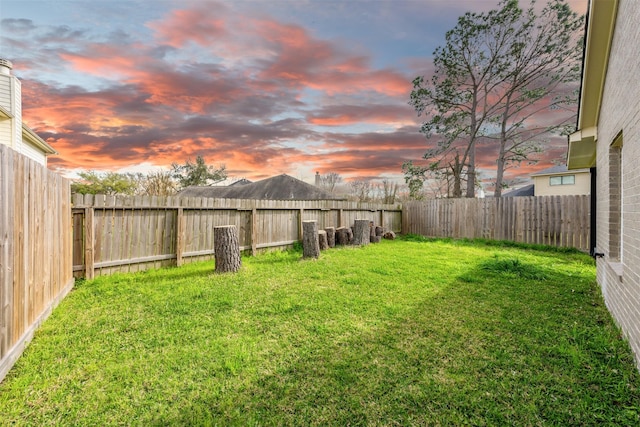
(406, 332)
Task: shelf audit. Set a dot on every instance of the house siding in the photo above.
(11, 100)
(581, 187)
(33, 153)
(619, 277)
(6, 126)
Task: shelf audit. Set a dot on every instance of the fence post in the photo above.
(179, 236)
(254, 231)
(300, 231)
(88, 244)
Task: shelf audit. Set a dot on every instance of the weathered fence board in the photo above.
(126, 234)
(550, 220)
(36, 249)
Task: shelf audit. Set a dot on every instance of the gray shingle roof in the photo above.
(281, 187)
(527, 190)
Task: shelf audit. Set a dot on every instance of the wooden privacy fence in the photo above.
(123, 234)
(35, 249)
(551, 220)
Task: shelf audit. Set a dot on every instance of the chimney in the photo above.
(317, 179)
(5, 67)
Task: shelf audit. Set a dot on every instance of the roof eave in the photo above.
(600, 29)
(33, 138)
(5, 114)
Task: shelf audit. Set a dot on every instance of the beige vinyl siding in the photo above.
(10, 100)
(33, 153)
(581, 186)
(16, 87)
(5, 92)
(5, 131)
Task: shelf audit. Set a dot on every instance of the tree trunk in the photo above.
(331, 236)
(226, 249)
(342, 236)
(322, 240)
(501, 153)
(310, 243)
(499, 178)
(361, 232)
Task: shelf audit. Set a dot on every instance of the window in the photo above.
(615, 199)
(562, 180)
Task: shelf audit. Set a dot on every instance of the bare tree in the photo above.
(329, 181)
(159, 183)
(389, 191)
(361, 190)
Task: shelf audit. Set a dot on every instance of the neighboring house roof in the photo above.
(31, 137)
(599, 33)
(242, 181)
(527, 190)
(557, 170)
(281, 187)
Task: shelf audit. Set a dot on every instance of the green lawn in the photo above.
(406, 332)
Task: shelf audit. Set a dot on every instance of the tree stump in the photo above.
(227, 249)
(350, 235)
(310, 244)
(379, 230)
(342, 236)
(361, 232)
(331, 236)
(389, 235)
(322, 240)
(376, 239)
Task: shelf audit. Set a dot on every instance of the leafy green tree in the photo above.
(197, 173)
(414, 177)
(109, 183)
(495, 71)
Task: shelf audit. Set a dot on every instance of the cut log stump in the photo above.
(376, 239)
(331, 236)
(361, 232)
(322, 240)
(389, 235)
(227, 249)
(342, 236)
(310, 243)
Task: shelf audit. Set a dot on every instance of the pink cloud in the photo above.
(202, 25)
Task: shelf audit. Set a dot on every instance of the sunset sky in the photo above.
(265, 87)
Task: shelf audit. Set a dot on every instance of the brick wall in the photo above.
(619, 124)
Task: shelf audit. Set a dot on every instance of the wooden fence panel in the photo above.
(36, 249)
(135, 233)
(552, 220)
